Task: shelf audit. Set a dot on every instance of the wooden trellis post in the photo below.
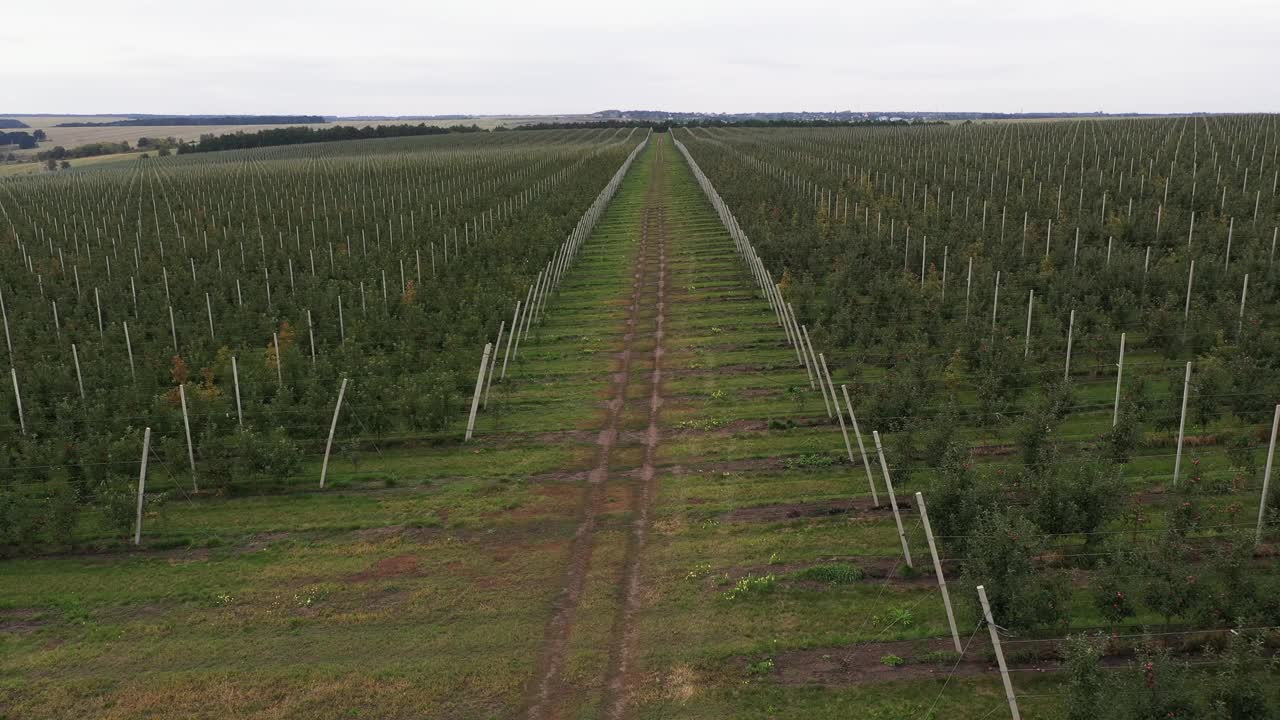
(1266, 476)
(1115, 412)
(235, 378)
(995, 644)
(937, 570)
(17, 398)
(893, 499)
(75, 358)
(186, 426)
(333, 427)
(1071, 330)
(488, 383)
(1182, 425)
(475, 397)
(1026, 343)
(142, 486)
(857, 433)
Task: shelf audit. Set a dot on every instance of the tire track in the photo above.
(620, 677)
(547, 691)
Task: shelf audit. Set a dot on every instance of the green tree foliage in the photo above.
(1002, 556)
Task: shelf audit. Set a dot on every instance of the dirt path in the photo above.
(621, 670)
(548, 694)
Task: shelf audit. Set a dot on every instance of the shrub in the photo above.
(833, 574)
(751, 585)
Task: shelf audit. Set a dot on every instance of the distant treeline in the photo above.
(10, 124)
(83, 151)
(24, 140)
(663, 124)
(300, 135)
(191, 120)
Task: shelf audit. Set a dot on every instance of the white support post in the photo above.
(1115, 412)
(186, 426)
(1244, 293)
(801, 354)
(862, 448)
(235, 377)
(1071, 331)
(488, 383)
(311, 333)
(475, 397)
(208, 308)
(520, 329)
(839, 415)
(968, 288)
(1186, 308)
(173, 330)
(511, 337)
(75, 358)
(1026, 343)
(893, 499)
(783, 316)
(937, 570)
(8, 339)
(531, 308)
(128, 346)
(995, 306)
(813, 356)
(17, 398)
(995, 644)
(1266, 476)
(142, 486)
(342, 323)
(275, 339)
(1182, 425)
(333, 427)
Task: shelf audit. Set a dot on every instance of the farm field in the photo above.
(71, 137)
(666, 507)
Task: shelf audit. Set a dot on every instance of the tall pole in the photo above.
(968, 287)
(1186, 308)
(275, 338)
(128, 346)
(475, 397)
(1266, 475)
(1115, 412)
(817, 371)
(75, 357)
(857, 433)
(333, 426)
(844, 432)
(488, 383)
(1026, 343)
(235, 376)
(995, 644)
(893, 499)
(17, 398)
(1182, 425)
(510, 337)
(937, 570)
(1071, 331)
(186, 426)
(995, 306)
(1244, 293)
(142, 486)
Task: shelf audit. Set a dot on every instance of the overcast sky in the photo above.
(404, 57)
